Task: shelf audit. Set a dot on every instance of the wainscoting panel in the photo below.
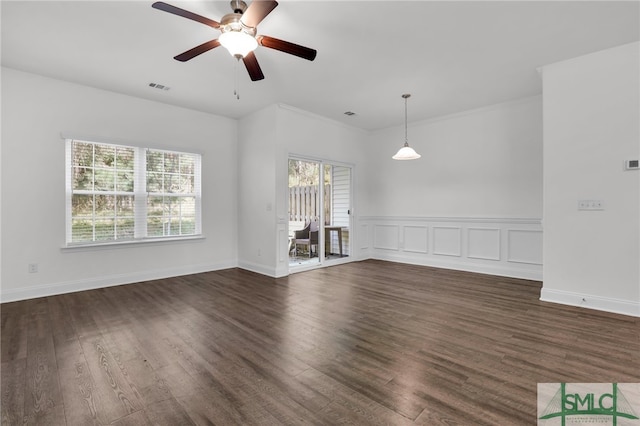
(497, 246)
(483, 243)
(524, 246)
(363, 237)
(386, 237)
(446, 241)
(283, 244)
(416, 239)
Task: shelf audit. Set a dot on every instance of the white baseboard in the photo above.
(53, 289)
(590, 301)
(259, 269)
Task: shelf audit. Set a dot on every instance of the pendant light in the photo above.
(406, 152)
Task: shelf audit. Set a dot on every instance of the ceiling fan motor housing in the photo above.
(238, 6)
(232, 22)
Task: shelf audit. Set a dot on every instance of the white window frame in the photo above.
(140, 195)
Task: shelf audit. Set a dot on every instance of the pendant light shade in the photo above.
(406, 152)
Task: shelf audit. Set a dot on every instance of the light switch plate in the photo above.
(590, 205)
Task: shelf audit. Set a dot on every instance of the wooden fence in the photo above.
(304, 204)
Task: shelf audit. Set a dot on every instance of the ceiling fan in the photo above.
(239, 34)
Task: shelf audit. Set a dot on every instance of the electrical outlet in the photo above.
(590, 205)
(33, 268)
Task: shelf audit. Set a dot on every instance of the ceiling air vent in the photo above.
(159, 86)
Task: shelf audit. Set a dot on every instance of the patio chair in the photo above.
(307, 237)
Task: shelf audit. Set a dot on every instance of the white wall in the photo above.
(472, 202)
(591, 125)
(479, 163)
(481, 174)
(35, 110)
(480, 179)
(308, 135)
(266, 140)
(257, 191)
(246, 184)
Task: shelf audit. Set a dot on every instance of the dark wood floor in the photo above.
(363, 343)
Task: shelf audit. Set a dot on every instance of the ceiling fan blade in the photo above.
(257, 11)
(253, 67)
(198, 50)
(287, 47)
(185, 14)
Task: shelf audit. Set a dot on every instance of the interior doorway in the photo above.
(319, 213)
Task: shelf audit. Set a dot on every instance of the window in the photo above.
(126, 193)
(171, 189)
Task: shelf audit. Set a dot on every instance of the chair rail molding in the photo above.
(492, 245)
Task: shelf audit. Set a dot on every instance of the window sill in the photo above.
(131, 243)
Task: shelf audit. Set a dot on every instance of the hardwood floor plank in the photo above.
(139, 418)
(14, 318)
(348, 406)
(62, 325)
(364, 343)
(284, 398)
(383, 395)
(216, 381)
(168, 413)
(13, 379)
(43, 402)
(205, 408)
(109, 385)
(264, 363)
(147, 384)
(82, 405)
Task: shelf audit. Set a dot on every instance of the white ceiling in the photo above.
(451, 56)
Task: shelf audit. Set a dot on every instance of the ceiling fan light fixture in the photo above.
(239, 34)
(406, 152)
(238, 43)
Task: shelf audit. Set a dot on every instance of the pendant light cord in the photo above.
(406, 139)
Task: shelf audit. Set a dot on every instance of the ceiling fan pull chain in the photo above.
(236, 81)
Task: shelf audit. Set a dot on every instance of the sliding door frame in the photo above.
(322, 261)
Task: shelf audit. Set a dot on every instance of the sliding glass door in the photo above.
(337, 220)
(305, 212)
(319, 212)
